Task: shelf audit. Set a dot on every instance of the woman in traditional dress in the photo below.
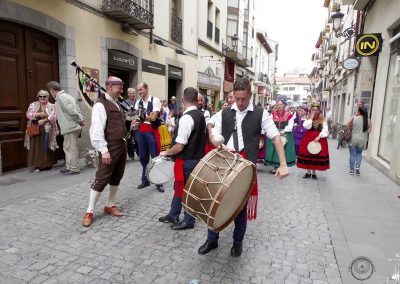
(42, 147)
(318, 132)
(298, 128)
(284, 121)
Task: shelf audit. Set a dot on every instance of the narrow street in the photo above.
(306, 231)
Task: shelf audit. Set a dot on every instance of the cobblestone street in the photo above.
(43, 241)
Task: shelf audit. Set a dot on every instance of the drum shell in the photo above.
(195, 187)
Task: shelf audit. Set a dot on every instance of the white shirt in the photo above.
(307, 124)
(207, 115)
(156, 104)
(289, 127)
(267, 125)
(99, 119)
(186, 125)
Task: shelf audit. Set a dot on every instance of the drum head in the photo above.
(160, 170)
(314, 147)
(239, 189)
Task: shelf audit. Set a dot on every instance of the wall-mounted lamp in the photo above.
(234, 39)
(337, 21)
(219, 60)
(159, 42)
(179, 51)
(205, 56)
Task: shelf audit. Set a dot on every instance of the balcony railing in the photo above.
(130, 12)
(216, 36)
(176, 28)
(209, 29)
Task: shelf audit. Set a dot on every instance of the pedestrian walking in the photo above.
(106, 134)
(360, 128)
(70, 119)
(41, 143)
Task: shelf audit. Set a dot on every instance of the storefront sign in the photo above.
(153, 67)
(350, 63)
(123, 60)
(175, 72)
(208, 82)
(368, 44)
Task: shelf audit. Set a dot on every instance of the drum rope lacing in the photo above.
(227, 171)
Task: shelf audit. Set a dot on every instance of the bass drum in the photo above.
(218, 188)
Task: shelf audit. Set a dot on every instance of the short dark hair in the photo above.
(54, 85)
(242, 84)
(190, 95)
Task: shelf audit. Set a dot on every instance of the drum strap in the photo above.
(235, 135)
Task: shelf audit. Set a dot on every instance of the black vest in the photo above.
(156, 123)
(115, 125)
(194, 149)
(251, 129)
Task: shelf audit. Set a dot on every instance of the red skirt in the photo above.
(306, 160)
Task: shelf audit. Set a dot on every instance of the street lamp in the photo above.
(337, 21)
(234, 39)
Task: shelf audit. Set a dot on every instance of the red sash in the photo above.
(253, 200)
(179, 183)
(145, 127)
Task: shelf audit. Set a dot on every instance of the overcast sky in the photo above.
(295, 24)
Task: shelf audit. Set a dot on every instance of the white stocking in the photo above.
(111, 195)
(94, 196)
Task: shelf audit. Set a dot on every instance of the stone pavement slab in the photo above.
(43, 241)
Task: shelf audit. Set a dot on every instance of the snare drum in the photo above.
(160, 170)
(218, 188)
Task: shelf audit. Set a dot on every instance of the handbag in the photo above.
(33, 130)
(347, 132)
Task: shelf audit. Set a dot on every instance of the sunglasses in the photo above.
(42, 97)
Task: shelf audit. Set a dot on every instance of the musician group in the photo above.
(289, 137)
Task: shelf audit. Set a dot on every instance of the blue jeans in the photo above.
(176, 204)
(355, 157)
(147, 146)
(238, 231)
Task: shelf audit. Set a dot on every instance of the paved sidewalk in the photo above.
(305, 232)
(363, 213)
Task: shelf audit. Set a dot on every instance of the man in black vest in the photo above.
(106, 134)
(146, 135)
(188, 149)
(241, 126)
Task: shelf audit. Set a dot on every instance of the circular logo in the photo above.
(350, 63)
(367, 45)
(362, 268)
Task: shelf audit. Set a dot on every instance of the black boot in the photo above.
(207, 246)
(236, 249)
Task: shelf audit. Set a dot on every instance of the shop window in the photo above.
(390, 110)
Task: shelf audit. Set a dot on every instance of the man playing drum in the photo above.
(106, 134)
(244, 138)
(188, 149)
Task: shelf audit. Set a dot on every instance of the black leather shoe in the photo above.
(307, 175)
(160, 188)
(167, 219)
(207, 246)
(314, 176)
(182, 226)
(143, 185)
(236, 250)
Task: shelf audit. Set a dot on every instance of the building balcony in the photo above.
(232, 54)
(129, 12)
(176, 28)
(245, 62)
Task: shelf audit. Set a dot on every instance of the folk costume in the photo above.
(298, 132)
(106, 134)
(148, 138)
(316, 127)
(191, 132)
(284, 121)
(246, 126)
